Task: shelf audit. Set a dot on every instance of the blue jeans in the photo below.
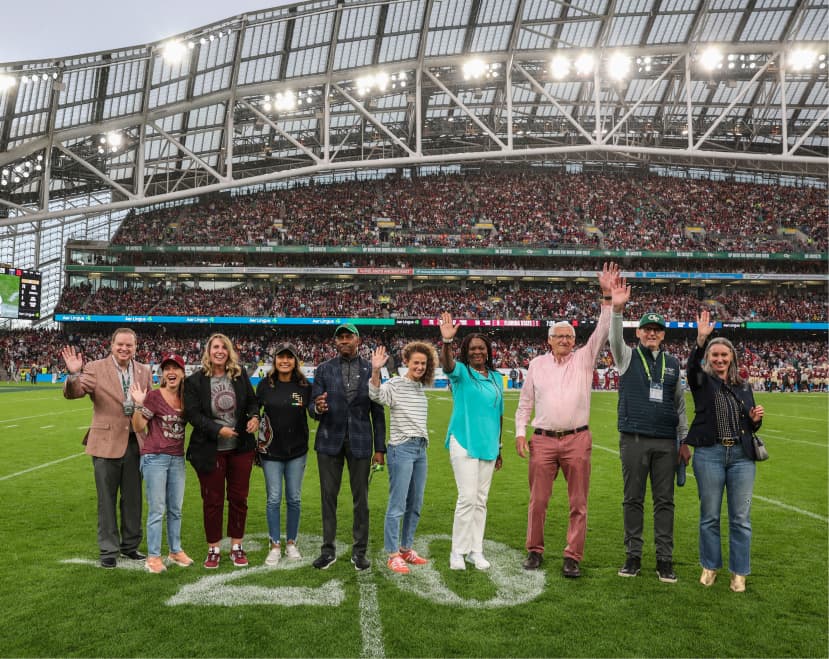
(717, 468)
(292, 471)
(407, 465)
(164, 480)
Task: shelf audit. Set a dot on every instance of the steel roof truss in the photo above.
(196, 159)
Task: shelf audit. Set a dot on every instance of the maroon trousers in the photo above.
(232, 473)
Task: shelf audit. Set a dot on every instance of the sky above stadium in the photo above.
(41, 29)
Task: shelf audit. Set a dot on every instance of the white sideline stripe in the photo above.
(45, 464)
(794, 509)
(372, 632)
(37, 416)
(773, 502)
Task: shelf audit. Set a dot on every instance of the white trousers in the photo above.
(473, 478)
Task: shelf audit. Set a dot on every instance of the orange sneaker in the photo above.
(154, 565)
(397, 564)
(412, 557)
(180, 558)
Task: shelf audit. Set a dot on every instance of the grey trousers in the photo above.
(644, 457)
(112, 475)
(331, 474)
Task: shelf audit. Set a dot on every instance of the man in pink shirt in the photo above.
(558, 385)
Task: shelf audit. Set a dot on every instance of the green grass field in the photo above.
(55, 601)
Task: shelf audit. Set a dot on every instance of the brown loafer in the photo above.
(533, 561)
(571, 568)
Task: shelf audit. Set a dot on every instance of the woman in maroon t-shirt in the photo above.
(158, 415)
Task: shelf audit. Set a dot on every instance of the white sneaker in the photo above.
(273, 556)
(456, 561)
(477, 559)
(292, 552)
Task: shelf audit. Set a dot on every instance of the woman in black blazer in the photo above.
(220, 404)
(725, 419)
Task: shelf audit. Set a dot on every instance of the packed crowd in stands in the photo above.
(522, 207)
(475, 301)
(771, 363)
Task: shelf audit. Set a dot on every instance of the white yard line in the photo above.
(45, 464)
(52, 414)
(794, 509)
(372, 631)
(789, 439)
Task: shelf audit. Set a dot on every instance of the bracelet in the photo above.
(607, 297)
(448, 341)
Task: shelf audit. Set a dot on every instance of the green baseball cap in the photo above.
(347, 327)
(652, 318)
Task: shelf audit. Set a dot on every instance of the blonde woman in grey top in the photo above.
(406, 448)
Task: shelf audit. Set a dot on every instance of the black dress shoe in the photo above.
(108, 562)
(533, 561)
(571, 568)
(360, 562)
(133, 555)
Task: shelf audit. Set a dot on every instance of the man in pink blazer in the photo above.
(111, 441)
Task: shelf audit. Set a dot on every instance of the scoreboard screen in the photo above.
(19, 294)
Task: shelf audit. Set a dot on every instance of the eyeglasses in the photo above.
(563, 337)
(655, 330)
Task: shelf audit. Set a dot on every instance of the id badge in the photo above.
(656, 392)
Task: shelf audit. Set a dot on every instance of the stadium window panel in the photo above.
(489, 39)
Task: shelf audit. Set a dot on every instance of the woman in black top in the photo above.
(725, 417)
(284, 394)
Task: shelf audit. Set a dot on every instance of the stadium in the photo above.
(277, 173)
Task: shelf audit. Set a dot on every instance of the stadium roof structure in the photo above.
(342, 85)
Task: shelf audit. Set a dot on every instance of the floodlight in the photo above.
(285, 101)
(6, 82)
(618, 66)
(173, 51)
(710, 59)
(584, 64)
(801, 59)
(382, 81)
(473, 68)
(559, 67)
(114, 139)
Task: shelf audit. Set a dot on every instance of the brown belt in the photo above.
(558, 434)
(729, 441)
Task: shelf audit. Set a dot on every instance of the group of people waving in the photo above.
(137, 430)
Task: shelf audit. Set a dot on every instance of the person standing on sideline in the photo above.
(285, 395)
(558, 385)
(406, 449)
(725, 418)
(111, 440)
(473, 438)
(158, 416)
(220, 404)
(351, 430)
(651, 418)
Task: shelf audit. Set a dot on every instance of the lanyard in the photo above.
(647, 368)
(125, 380)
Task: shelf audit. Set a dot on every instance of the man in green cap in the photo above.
(352, 430)
(651, 421)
